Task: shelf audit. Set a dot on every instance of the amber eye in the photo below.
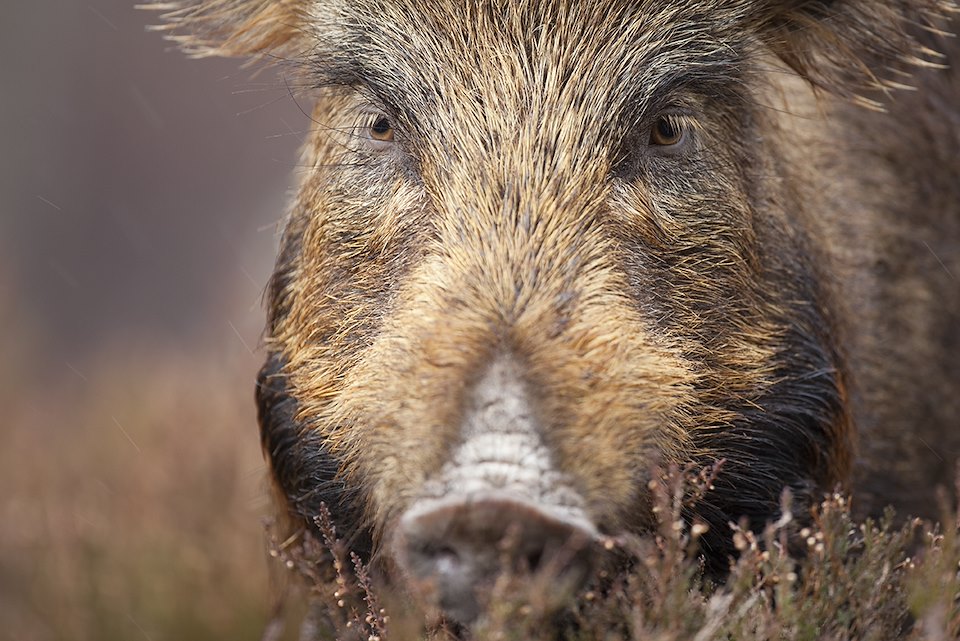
(381, 129)
(666, 131)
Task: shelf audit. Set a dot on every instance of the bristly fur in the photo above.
(233, 27)
(845, 47)
(852, 48)
(768, 293)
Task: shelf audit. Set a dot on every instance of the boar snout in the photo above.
(453, 551)
(499, 505)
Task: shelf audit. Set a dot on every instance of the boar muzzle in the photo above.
(453, 552)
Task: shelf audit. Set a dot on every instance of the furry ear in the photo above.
(255, 28)
(848, 47)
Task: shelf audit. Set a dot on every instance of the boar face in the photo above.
(536, 255)
(540, 249)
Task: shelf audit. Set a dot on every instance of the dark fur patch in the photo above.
(303, 469)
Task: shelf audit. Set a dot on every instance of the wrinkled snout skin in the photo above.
(541, 248)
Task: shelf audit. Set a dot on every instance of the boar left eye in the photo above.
(667, 131)
(380, 130)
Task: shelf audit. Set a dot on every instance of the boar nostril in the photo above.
(533, 559)
(453, 551)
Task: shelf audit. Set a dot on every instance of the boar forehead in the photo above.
(609, 62)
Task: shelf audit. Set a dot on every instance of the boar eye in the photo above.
(667, 131)
(380, 129)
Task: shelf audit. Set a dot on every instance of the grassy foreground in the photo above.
(857, 581)
(132, 497)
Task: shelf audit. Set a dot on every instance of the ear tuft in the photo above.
(853, 47)
(257, 28)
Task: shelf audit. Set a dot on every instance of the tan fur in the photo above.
(234, 27)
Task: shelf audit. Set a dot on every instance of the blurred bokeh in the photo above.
(140, 194)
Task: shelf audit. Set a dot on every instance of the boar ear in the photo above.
(254, 28)
(849, 47)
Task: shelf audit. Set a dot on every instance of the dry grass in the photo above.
(132, 495)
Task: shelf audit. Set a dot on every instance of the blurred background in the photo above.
(140, 194)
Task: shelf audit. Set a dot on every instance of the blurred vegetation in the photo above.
(133, 492)
(138, 200)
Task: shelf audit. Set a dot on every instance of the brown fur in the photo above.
(784, 289)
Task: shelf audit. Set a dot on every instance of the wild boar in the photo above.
(541, 247)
